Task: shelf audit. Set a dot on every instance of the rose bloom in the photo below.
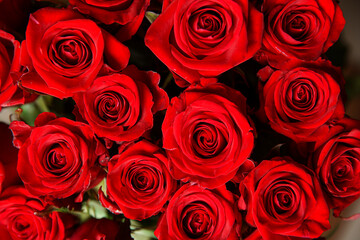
(98, 229)
(284, 199)
(63, 52)
(197, 39)
(10, 93)
(58, 157)
(337, 164)
(198, 213)
(128, 13)
(21, 217)
(120, 107)
(207, 135)
(303, 101)
(301, 29)
(138, 181)
(8, 159)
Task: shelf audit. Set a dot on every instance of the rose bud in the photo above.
(198, 213)
(207, 134)
(58, 157)
(283, 199)
(120, 107)
(202, 39)
(23, 216)
(138, 181)
(63, 52)
(302, 29)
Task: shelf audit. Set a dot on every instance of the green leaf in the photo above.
(151, 16)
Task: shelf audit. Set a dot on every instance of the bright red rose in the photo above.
(22, 218)
(303, 102)
(301, 29)
(128, 13)
(10, 93)
(63, 52)
(58, 157)
(138, 181)
(96, 229)
(8, 159)
(197, 39)
(121, 106)
(284, 199)
(207, 135)
(337, 164)
(198, 213)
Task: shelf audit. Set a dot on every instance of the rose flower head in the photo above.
(63, 52)
(302, 102)
(58, 157)
(138, 181)
(198, 213)
(284, 199)
(127, 13)
(301, 29)
(337, 165)
(10, 93)
(201, 39)
(22, 217)
(207, 134)
(120, 107)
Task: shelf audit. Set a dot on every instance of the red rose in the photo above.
(8, 159)
(301, 29)
(10, 93)
(303, 102)
(57, 157)
(64, 52)
(21, 215)
(336, 163)
(284, 199)
(198, 213)
(121, 106)
(207, 135)
(203, 38)
(95, 229)
(127, 13)
(138, 181)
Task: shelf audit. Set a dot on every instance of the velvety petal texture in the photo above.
(21, 217)
(283, 199)
(337, 164)
(196, 39)
(120, 107)
(127, 13)
(99, 229)
(63, 52)
(58, 157)
(198, 213)
(300, 29)
(10, 93)
(304, 101)
(138, 181)
(207, 135)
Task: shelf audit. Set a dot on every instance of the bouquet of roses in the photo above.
(199, 119)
